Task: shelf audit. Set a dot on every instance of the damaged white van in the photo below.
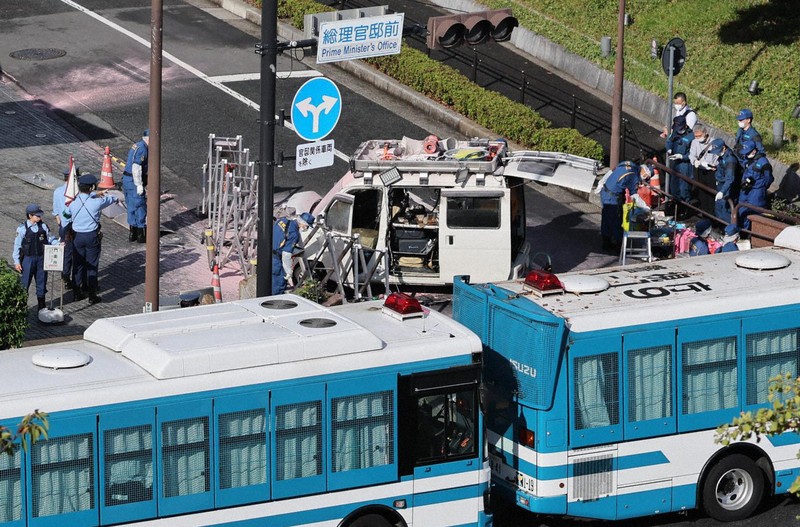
(419, 212)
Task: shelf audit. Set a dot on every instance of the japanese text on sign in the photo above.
(314, 155)
(360, 38)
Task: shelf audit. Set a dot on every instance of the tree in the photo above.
(33, 427)
(782, 416)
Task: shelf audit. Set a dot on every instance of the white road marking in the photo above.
(239, 77)
(186, 66)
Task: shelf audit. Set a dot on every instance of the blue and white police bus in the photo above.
(605, 387)
(273, 411)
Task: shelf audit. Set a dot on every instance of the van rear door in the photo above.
(474, 234)
(563, 170)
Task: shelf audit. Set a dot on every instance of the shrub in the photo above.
(13, 308)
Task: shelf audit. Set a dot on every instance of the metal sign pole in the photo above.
(671, 77)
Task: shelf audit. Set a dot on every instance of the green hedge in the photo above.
(13, 308)
(506, 118)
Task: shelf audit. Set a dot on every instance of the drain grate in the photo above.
(37, 54)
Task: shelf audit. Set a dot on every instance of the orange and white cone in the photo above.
(106, 178)
(215, 284)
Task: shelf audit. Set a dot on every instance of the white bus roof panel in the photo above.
(671, 290)
(231, 336)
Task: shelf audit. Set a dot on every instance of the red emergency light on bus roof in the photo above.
(543, 282)
(402, 306)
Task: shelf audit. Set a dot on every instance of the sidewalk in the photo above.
(35, 146)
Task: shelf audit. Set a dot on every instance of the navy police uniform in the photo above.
(756, 179)
(285, 235)
(133, 184)
(84, 213)
(28, 252)
(612, 196)
(724, 179)
(679, 144)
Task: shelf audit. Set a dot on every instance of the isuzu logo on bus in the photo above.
(524, 369)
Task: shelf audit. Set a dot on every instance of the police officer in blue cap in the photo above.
(698, 246)
(730, 239)
(756, 179)
(28, 252)
(747, 132)
(134, 180)
(627, 176)
(679, 144)
(725, 168)
(84, 214)
(286, 236)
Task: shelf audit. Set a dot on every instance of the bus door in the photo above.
(474, 234)
(441, 442)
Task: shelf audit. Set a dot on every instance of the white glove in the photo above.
(676, 156)
(696, 163)
(140, 189)
(718, 196)
(706, 166)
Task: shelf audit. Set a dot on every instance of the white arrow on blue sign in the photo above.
(316, 109)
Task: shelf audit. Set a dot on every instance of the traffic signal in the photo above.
(449, 31)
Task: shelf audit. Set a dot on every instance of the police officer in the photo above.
(679, 103)
(679, 144)
(84, 213)
(729, 239)
(134, 179)
(59, 204)
(28, 252)
(724, 178)
(285, 237)
(698, 246)
(756, 179)
(627, 176)
(747, 132)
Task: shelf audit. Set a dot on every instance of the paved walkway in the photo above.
(35, 146)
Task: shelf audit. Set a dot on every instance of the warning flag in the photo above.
(72, 183)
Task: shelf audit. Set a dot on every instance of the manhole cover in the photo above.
(37, 54)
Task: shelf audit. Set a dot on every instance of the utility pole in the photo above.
(619, 78)
(268, 49)
(152, 249)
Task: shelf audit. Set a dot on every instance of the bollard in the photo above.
(605, 46)
(777, 132)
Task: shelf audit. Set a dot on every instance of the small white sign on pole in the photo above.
(359, 38)
(314, 155)
(53, 257)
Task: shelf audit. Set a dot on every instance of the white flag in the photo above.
(72, 183)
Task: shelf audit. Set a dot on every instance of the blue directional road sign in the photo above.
(316, 109)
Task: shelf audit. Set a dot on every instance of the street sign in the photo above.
(53, 257)
(678, 50)
(314, 155)
(316, 109)
(359, 38)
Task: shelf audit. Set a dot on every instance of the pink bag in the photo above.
(682, 239)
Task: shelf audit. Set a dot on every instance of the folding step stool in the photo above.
(635, 244)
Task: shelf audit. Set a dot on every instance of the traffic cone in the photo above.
(215, 285)
(106, 178)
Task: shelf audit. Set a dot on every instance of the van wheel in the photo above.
(371, 520)
(733, 488)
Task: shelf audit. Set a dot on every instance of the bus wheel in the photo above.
(733, 488)
(371, 520)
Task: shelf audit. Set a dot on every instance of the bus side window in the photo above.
(445, 425)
